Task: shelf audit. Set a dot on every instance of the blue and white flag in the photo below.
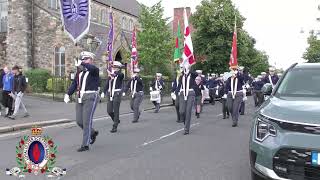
(75, 16)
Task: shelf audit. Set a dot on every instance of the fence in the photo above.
(56, 87)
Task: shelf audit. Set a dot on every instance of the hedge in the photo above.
(37, 79)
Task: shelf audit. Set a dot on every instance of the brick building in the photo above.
(178, 17)
(31, 33)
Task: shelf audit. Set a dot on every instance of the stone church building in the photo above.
(32, 36)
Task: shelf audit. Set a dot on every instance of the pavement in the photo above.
(153, 149)
(44, 112)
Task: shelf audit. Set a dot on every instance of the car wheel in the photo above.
(254, 176)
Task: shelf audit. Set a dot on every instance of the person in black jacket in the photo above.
(157, 85)
(86, 86)
(135, 85)
(175, 92)
(198, 88)
(113, 90)
(19, 87)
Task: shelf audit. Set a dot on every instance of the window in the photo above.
(104, 16)
(53, 4)
(59, 62)
(131, 25)
(124, 23)
(3, 15)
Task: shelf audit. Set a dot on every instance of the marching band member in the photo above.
(271, 77)
(86, 85)
(157, 85)
(235, 94)
(225, 110)
(113, 91)
(257, 93)
(187, 97)
(136, 88)
(175, 92)
(198, 88)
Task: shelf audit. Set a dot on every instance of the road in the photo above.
(153, 149)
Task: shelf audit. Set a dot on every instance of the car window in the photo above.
(300, 83)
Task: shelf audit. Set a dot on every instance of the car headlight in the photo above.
(264, 130)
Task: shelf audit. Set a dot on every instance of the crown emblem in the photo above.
(35, 131)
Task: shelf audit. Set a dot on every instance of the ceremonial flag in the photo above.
(188, 56)
(75, 16)
(134, 51)
(177, 52)
(234, 51)
(110, 37)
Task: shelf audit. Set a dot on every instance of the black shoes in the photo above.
(234, 125)
(114, 129)
(135, 121)
(186, 133)
(198, 115)
(83, 148)
(94, 137)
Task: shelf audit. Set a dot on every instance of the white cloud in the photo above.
(275, 24)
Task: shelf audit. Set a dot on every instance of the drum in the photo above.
(155, 96)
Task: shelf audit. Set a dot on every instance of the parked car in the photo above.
(285, 131)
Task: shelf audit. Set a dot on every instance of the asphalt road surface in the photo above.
(153, 149)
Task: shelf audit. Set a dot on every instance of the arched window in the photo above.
(53, 4)
(59, 61)
(131, 25)
(104, 16)
(124, 23)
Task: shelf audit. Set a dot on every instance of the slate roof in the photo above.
(129, 6)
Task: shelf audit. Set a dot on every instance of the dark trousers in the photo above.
(135, 103)
(212, 94)
(185, 109)
(225, 110)
(260, 97)
(242, 107)
(113, 108)
(234, 105)
(176, 104)
(84, 115)
(156, 105)
(7, 101)
(255, 98)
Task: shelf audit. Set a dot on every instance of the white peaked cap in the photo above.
(199, 71)
(221, 75)
(136, 70)
(241, 68)
(158, 74)
(263, 73)
(259, 77)
(117, 64)
(272, 69)
(86, 54)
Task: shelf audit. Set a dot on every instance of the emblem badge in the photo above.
(36, 155)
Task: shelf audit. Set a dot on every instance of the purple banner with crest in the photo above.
(75, 16)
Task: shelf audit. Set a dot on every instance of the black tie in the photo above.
(186, 81)
(82, 77)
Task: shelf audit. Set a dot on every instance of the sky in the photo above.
(275, 24)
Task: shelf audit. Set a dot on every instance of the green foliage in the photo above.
(214, 24)
(155, 42)
(38, 79)
(312, 54)
(58, 85)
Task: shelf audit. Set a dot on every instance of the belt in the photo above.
(190, 90)
(88, 92)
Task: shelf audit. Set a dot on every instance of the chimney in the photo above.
(178, 16)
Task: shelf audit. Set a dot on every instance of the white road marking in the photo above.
(165, 136)
(71, 124)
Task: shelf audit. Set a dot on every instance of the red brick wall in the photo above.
(178, 16)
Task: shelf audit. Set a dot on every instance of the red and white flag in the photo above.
(134, 51)
(234, 51)
(187, 56)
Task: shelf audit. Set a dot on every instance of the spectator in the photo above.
(1, 89)
(19, 87)
(7, 89)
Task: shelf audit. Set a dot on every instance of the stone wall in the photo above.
(19, 33)
(3, 47)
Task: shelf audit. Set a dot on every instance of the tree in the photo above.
(155, 42)
(214, 23)
(312, 55)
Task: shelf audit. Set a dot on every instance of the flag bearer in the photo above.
(187, 97)
(157, 85)
(136, 88)
(235, 94)
(86, 86)
(113, 90)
